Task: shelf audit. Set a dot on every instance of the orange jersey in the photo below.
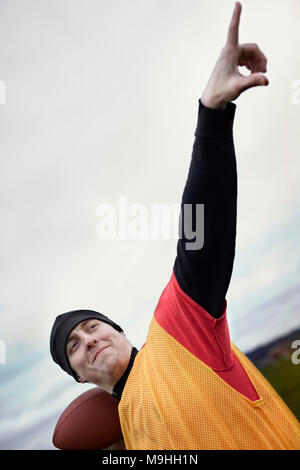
(191, 388)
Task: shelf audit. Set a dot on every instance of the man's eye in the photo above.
(73, 345)
(93, 325)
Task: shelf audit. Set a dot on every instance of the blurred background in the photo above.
(101, 100)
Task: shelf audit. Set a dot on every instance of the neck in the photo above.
(119, 386)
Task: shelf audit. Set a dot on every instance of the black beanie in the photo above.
(61, 329)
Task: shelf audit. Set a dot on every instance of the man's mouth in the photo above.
(99, 352)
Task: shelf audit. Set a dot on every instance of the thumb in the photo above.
(255, 79)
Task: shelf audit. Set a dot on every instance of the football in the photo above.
(91, 421)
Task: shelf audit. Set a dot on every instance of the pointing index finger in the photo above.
(233, 31)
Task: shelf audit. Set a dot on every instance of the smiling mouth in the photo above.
(99, 352)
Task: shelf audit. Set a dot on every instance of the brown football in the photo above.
(91, 421)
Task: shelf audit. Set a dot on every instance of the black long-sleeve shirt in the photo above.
(204, 274)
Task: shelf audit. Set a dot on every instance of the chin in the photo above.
(108, 369)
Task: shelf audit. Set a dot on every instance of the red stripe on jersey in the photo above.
(205, 337)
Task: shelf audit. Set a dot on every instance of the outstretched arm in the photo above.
(204, 274)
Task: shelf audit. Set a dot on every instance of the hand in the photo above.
(226, 83)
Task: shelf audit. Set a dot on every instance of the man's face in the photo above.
(98, 353)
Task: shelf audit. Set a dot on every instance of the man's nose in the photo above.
(91, 342)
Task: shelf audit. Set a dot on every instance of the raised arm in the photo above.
(204, 274)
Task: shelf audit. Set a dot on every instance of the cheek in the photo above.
(76, 362)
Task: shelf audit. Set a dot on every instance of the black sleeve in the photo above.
(204, 274)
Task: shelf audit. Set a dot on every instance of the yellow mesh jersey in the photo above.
(181, 403)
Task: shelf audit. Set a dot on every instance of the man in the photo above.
(190, 387)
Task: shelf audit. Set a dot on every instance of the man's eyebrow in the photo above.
(82, 324)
